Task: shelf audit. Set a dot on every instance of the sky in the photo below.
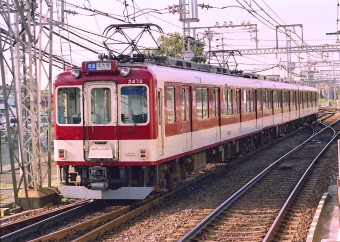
(317, 17)
(88, 19)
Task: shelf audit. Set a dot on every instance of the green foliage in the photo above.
(172, 46)
(325, 100)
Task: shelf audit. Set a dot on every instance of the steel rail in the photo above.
(273, 228)
(220, 209)
(21, 233)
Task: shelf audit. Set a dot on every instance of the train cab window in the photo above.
(228, 101)
(68, 105)
(100, 105)
(133, 104)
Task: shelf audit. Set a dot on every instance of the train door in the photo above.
(216, 103)
(186, 115)
(160, 110)
(100, 121)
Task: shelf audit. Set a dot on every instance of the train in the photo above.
(129, 127)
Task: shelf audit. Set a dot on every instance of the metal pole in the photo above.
(49, 132)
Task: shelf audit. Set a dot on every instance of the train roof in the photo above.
(165, 73)
(166, 68)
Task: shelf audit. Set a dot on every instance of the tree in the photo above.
(172, 45)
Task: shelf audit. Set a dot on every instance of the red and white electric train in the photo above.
(124, 130)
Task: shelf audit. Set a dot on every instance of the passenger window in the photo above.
(238, 101)
(246, 101)
(202, 103)
(185, 104)
(216, 101)
(134, 104)
(68, 105)
(259, 105)
(228, 101)
(171, 111)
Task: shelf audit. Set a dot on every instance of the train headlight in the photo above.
(124, 71)
(75, 73)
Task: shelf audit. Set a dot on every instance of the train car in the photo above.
(125, 130)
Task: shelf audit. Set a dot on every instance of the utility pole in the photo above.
(24, 37)
(188, 13)
(289, 29)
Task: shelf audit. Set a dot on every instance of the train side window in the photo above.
(253, 109)
(185, 104)
(276, 102)
(133, 104)
(228, 101)
(266, 100)
(68, 105)
(246, 101)
(285, 99)
(216, 101)
(259, 105)
(170, 104)
(205, 103)
(202, 103)
(238, 101)
(292, 100)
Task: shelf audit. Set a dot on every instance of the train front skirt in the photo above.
(121, 193)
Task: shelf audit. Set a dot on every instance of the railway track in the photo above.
(273, 199)
(18, 226)
(86, 222)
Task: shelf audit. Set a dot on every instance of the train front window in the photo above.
(68, 105)
(133, 104)
(100, 105)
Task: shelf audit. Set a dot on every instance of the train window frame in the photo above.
(238, 101)
(185, 101)
(101, 105)
(171, 104)
(253, 103)
(202, 97)
(277, 99)
(216, 102)
(285, 99)
(267, 99)
(246, 101)
(258, 100)
(69, 113)
(228, 101)
(292, 100)
(126, 112)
